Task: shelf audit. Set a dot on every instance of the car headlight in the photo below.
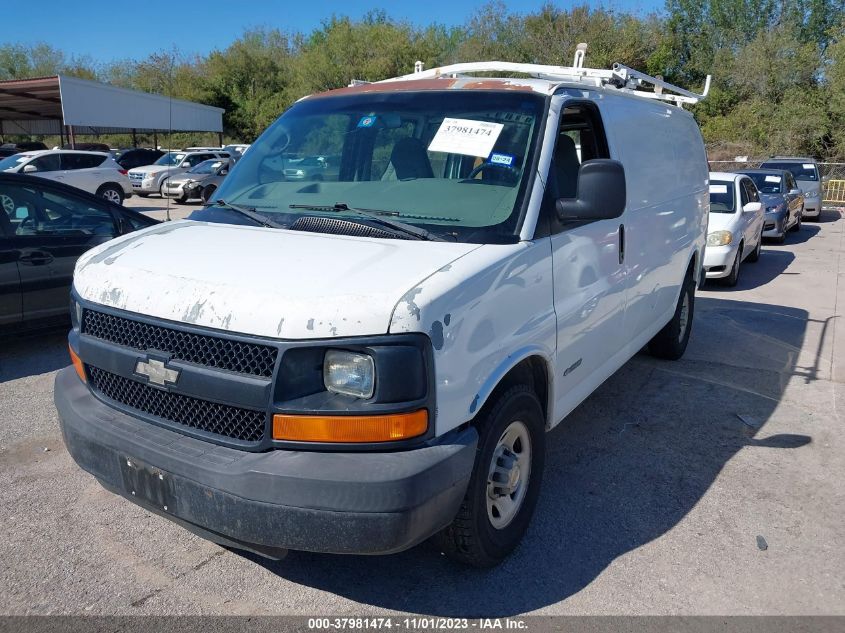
(719, 238)
(774, 209)
(349, 373)
(75, 313)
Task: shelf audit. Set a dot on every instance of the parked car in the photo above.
(236, 151)
(94, 172)
(150, 178)
(806, 173)
(89, 147)
(385, 368)
(314, 168)
(191, 184)
(25, 146)
(8, 151)
(44, 227)
(782, 200)
(735, 227)
(138, 157)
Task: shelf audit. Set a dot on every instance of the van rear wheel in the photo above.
(505, 482)
(670, 343)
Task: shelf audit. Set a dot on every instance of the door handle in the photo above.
(621, 243)
(35, 258)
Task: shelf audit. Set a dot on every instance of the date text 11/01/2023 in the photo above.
(416, 623)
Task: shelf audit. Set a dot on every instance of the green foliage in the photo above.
(778, 65)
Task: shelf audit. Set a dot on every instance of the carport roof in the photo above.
(42, 105)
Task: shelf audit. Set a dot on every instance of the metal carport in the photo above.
(68, 106)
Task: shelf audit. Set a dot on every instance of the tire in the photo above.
(670, 343)
(161, 191)
(207, 192)
(142, 195)
(473, 538)
(732, 279)
(112, 193)
(755, 254)
(797, 226)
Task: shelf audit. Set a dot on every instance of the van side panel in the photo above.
(666, 217)
(484, 313)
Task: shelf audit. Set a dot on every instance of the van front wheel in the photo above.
(670, 343)
(505, 482)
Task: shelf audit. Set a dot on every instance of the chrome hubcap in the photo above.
(112, 196)
(507, 479)
(683, 317)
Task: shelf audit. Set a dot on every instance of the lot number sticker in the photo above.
(464, 136)
(772, 178)
(718, 189)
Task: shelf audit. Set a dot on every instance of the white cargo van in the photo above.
(356, 363)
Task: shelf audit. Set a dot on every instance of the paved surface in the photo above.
(157, 207)
(657, 490)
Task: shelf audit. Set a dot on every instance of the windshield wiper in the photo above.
(263, 220)
(377, 216)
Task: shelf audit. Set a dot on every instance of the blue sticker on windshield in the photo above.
(367, 121)
(501, 159)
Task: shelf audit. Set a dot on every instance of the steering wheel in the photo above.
(512, 172)
(8, 204)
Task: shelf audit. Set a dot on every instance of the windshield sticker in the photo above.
(501, 159)
(809, 166)
(772, 178)
(464, 136)
(367, 121)
(718, 189)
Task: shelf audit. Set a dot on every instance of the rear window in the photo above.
(801, 171)
(721, 196)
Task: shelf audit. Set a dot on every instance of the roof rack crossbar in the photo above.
(619, 76)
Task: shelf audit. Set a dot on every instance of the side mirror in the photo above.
(794, 192)
(28, 169)
(601, 192)
(753, 207)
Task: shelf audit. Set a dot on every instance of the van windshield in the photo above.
(456, 163)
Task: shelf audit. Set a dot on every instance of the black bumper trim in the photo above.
(366, 503)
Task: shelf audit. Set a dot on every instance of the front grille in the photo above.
(234, 422)
(200, 349)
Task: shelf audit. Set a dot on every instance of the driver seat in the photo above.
(410, 159)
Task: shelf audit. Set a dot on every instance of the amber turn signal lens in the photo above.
(77, 364)
(349, 429)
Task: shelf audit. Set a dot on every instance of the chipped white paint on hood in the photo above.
(253, 280)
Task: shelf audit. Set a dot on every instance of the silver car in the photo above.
(783, 201)
(193, 182)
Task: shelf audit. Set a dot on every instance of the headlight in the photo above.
(774, 209)
(349, 373)
(299, 172)
(75, 313)
(148, 176)
(719, 238)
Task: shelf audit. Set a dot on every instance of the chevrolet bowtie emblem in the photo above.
(156, 372)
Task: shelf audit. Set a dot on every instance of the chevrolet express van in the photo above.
(359, 363)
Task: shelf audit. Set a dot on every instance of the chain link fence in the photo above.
(832, 174)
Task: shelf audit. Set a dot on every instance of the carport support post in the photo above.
(220, 138)
(71, 136)
(134, 138)
(155, 139)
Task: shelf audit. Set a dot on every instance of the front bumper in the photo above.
(174, 192)
(144, 186)
(812, 207)
(774, 224)
(718, 260)
(349, 503)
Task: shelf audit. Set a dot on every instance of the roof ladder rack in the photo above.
(619, 76)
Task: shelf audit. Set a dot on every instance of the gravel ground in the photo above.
(712, 485)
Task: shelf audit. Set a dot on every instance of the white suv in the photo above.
(94, 172)
(150, 178)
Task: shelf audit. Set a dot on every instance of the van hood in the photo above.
(809, 187)
(261, 281)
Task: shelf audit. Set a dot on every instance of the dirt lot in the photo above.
(713, 485)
